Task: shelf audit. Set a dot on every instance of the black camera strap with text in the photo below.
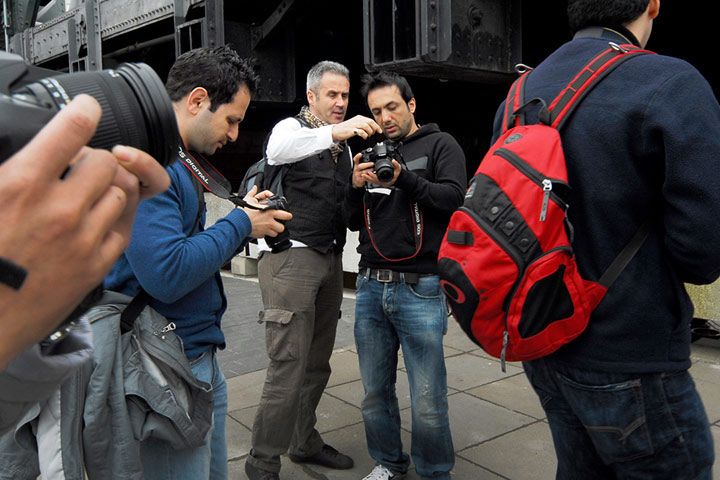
(210, 178)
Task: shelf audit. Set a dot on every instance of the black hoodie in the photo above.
(434, 181)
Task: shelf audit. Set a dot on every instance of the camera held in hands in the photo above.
(281, 242)
(136, 109)
(382, 155)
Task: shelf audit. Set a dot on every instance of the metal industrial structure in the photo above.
(447, 45)
(458, 54)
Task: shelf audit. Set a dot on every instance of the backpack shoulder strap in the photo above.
(132, 311)
(598, 68)
(515, 99)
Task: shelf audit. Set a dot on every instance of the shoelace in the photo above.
(379, 473)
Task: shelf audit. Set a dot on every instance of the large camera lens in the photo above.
(136, 109)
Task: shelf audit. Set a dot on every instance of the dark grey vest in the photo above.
(315, 190)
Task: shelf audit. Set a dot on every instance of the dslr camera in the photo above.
(382, 154)
(282, 241)
(136, 109)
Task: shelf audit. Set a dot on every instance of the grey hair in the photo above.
(320, 68)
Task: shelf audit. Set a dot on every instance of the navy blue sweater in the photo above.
(645, 141)
(179, 271)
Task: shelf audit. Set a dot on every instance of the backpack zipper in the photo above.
(536, 177)
(506, 335)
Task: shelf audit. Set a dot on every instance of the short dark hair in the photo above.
(603, 13)
(382, 79)
(218, 70)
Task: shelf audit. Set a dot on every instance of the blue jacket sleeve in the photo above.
(168, 262)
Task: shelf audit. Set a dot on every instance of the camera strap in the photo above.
(210, 178)
(417, 231)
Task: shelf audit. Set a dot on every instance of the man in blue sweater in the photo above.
(177, 262)
(643, 145)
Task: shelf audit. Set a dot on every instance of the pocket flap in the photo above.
(276, 315)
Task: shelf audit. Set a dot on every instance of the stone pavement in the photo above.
(498, 425)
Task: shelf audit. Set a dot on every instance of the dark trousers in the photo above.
(302, 292)
(621, 426)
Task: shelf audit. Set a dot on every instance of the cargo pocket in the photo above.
(614, 417)
(280, 339)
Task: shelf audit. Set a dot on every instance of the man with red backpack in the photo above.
(400, 199)
(643, 146)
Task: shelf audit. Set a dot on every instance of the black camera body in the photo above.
(282, 241)
(382, 155)
(136, 109)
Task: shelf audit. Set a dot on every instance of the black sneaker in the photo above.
(255, 473)
(326, 457)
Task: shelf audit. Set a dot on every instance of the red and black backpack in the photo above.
(506, 261)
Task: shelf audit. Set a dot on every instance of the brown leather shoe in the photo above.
(326, 457)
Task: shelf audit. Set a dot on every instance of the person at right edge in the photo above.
(399, 301)
(643, 145)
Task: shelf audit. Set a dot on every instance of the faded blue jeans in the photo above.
(617, 426)
(388, 316)
(162, 462)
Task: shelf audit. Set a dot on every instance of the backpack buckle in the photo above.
(617, 47)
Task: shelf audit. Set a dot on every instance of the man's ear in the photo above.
(653, 9)
(412, 105)
(310, 97)
(195, 100)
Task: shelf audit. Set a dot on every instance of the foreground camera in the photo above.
(136, 109)
(382, 154)
(282, 241)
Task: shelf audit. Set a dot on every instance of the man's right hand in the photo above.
(359, 125)
(264, 222)
(67, 230)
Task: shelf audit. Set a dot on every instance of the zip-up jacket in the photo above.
(401, 227)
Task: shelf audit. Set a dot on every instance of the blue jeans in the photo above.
(387, 316)
(162, 462)
(616, 425)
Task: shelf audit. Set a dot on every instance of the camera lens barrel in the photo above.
(136, 109)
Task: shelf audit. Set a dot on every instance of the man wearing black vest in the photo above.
(402, 219)
(301, 285)
(644, 145)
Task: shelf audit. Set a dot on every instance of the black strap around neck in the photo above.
(615, 34)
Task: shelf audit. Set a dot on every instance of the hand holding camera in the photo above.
(65, 232)
(268, 215)
(379, 164)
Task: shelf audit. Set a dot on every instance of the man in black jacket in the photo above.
(399, 302)
(643, 145)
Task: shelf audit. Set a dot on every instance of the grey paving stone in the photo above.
(514, 393)
(523, 454)
(239, 439)
(345, 368)
(246, 390)
(332, 414)
(468, 371)
(244, 416)
(456, 338)
(465, 470)
(353, 392)
(473, 420)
